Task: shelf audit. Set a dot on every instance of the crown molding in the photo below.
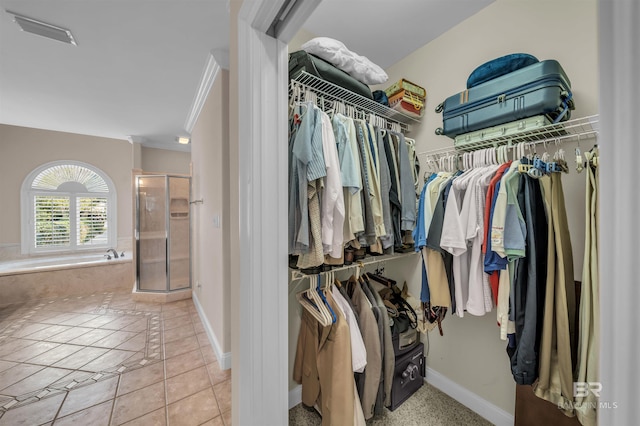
(222, 57)
(209, 75)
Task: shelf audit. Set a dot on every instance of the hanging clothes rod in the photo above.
(327, 94)
(297, 275)
(577, 129)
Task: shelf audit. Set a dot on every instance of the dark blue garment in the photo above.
(425, 296)
(493, 261)
(381, 97)
(419, 233)
(499, 66)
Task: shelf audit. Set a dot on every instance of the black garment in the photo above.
(394, 199)
(530, 284)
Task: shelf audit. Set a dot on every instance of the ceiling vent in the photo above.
(43, 29)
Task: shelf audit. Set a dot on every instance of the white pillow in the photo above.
(337, 54)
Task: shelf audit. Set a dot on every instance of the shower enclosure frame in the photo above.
(138, 234)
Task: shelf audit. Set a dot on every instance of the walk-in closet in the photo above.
(467, 354)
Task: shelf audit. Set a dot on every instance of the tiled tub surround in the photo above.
(104, 359)
(48, 277)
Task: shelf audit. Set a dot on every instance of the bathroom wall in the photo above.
(23, 149)
(156, 160)
(211, 218)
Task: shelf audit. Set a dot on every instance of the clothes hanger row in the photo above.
(375, 120)
(315, 302)
(302, 94)
(436, 163)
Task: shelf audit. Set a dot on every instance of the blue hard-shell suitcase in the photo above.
(539, 89)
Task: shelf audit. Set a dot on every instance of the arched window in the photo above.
(68, 206)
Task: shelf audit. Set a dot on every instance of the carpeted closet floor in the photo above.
(427, 407)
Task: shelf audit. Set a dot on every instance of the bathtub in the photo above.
(57, 276)
(52, 263)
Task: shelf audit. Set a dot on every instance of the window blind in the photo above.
(91, 222)
(52, 221)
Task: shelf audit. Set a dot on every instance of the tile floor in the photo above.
(103, 359)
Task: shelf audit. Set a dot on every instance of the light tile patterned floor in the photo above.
(103, 359)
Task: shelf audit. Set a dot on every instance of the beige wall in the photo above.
(209, 150)
(470, 353)
(23, 149)
(299, 39)
(165, 161)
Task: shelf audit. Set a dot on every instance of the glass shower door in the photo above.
(152, 233)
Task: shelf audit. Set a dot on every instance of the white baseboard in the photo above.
(295, 396)
(224, 359)
(489, 411)
(484, 408)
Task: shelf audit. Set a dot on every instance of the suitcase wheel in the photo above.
(439, 108)
(439, 131)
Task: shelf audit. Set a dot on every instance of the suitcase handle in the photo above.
(567, 103)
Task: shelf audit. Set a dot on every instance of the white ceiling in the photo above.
(135, 71)
(386, 31)
(138, 63)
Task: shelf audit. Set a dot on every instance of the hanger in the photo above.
(349, 285)
(312, 303)
(388, 282)
(324, 301)
(336, 282)
(579, 160)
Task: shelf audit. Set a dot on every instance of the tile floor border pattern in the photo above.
(152, 351)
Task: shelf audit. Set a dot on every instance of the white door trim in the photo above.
(261, 364)
(619, 47)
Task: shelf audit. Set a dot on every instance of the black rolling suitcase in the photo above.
(542, 88)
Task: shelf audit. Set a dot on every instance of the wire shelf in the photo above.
(330, 92)
(296, 274)
(576, 129)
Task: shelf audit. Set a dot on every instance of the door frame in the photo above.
(260, 374)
